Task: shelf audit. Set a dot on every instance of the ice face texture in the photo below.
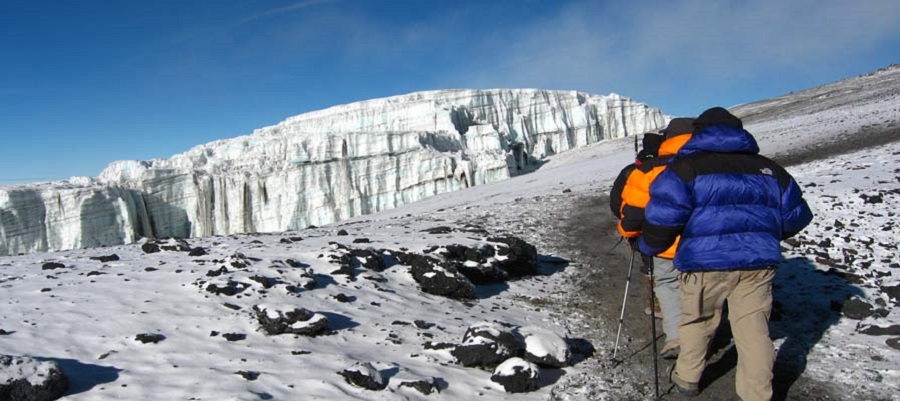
(317, 168)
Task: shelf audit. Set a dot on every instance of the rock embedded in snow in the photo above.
(893, 343)
(364, 375)
(517, 375)
(318, 168)
(519, 258)
(487, 344)
(424, 385)
(27, 379)
(52, 266)
(437, 278)
(873, 330)
(152, 338)
(856, 309)
(545, 347)
(105, 258)
(290, 320)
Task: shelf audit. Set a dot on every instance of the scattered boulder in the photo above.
(234, 336)
(486, 344)
(149, 338)
(545, 347)
(198, 251)
(248, 374)
(27, 379)
(519, 258)
(292, 320)
(229, 288)
(364, 375)
(5, 333)
(52, 266)
(342, 232)
(150, 247)
(893, 292)
(517, 375)
(361, 241)
(105, 258)
(857, 309)
(893, 343)
(424, 385)
(435, 278)
(438, 230)
(370, 259)
(872, 330)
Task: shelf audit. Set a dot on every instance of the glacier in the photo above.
(319, 167)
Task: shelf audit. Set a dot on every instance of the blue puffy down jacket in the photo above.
(731, 206)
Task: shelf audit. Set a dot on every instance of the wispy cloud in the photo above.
(276, 11)
(593, 45)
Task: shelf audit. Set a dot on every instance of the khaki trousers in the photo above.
(749, 296)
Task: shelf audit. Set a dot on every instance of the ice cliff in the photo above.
(317, 168)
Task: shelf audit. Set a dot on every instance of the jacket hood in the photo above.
(721, 139)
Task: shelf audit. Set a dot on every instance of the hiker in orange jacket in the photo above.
(635, 196)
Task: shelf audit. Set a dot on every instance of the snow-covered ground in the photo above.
(87, 314)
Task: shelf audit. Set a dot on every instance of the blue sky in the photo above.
(83, 83)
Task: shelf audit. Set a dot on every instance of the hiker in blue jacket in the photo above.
(731, 207)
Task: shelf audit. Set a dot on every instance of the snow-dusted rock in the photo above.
(518, 258)
(517, 375)
(545, 347)
(364, 375)
(317, 168)
(280, 320)
(487, 344)
(27, 379)
(436, 278)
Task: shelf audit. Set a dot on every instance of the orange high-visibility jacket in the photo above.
(636, 193)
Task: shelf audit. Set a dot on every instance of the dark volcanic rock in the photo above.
(521, 257)
(229, 289)
(438, 230)
(197, 252)
(517, 375)
(893, 343)
(892, 330)
(294, 321)
(436, 278)
(5, 333)
(106, 258)
(266, 282)
(150, 247)
(30, 380)
(248, 374)
(857, 309)
(893, 292)
(424, 386)
(364, 375)
(149, 338)
(52, 266)
(234, 336)
(487, 345)
(343, 298)
(370, 259)
(361, 241)
(342, 232)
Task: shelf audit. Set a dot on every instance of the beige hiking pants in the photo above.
(749, 295)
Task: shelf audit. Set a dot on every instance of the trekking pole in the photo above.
(624, 300)
(653, 330)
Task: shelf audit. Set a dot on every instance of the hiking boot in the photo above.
(682, 387)
(670, 350)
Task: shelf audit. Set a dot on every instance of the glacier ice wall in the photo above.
(317, 168)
